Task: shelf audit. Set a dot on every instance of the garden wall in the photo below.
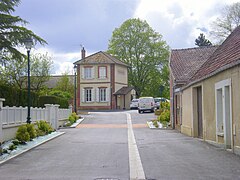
(12, 117)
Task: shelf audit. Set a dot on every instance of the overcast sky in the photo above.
(68, 24)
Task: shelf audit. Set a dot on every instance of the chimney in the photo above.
(83, 53)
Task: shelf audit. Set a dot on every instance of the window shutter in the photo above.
(97, 95)
(83, 95)
(82, 73)
(107, 94)
(93, 94)
(93, 73)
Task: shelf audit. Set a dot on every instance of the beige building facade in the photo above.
(99, 76)
(210, 98)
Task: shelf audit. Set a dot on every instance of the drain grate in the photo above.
(106, 179)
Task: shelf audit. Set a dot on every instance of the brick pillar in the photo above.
(112, 86)
(1, 120)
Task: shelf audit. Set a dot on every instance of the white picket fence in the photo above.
(17, 115)
(12, 117)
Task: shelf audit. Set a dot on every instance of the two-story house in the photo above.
(102, 82)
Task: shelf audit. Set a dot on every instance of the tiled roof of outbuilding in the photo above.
(124, 90)
(227, 55)
(100, 58)
(184, 63)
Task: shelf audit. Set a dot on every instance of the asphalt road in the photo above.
(99, 149)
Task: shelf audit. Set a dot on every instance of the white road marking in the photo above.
(135, 164)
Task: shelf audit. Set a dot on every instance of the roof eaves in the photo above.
(228, 66)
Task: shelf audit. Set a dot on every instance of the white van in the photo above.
(146, 104)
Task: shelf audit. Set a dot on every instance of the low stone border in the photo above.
(76, 123)
(160, 126)
(30, 145)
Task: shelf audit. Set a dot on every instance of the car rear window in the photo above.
(146, 100)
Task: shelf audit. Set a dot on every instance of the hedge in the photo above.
(17, 97)
(53, 100)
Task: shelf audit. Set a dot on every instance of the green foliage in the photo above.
(164, 116)
(16, 97)
(53, 100)
(138, 45)
(202, 41)
(155, 123)
(157, 112)
(165, 106)
(22, 134)
(41, 65)
(72, 119)
(12, 147)
(12, 30)
(43, 128)
(15, 142)
(31, 130)
(65, 84)
(61, 94)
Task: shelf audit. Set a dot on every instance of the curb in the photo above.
(36, 145)
(77, 123)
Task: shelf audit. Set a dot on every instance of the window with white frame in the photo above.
(88, 72)
(102, 72)
(88, 95)
(102, 94)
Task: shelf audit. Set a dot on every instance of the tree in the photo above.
(12, 30)
(40, 70)
(143, 49)
(65, 84)
(15, 71)
(202, 41)
(229, 19)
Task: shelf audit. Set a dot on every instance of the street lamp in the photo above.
(75, 91)
(28, 45)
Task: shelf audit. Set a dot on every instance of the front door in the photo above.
(199, 112)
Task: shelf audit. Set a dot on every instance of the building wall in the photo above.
(187, 111)
(116, 79)
(209, 104)
(121, 75)
(209, 107)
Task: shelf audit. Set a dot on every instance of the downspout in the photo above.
(124, 102)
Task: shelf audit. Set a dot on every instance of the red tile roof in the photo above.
(226, 56)
(184, 63)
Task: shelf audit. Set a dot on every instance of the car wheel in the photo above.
(139, 111)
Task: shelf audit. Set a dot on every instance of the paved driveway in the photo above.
(118, 145)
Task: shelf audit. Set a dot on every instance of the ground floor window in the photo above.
(88, 95)
(102, 94)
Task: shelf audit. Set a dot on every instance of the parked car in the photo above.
(134, 104)
(146, 104)
(158, 101)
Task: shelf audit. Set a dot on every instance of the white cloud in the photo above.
(180, 22)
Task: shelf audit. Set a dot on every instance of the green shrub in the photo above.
(165, 116)
(155, 123)
(71, 119)
(43, 128)
(15, 142)
(31, 130)
(12, 147)
(17, 97)
(75, 116)
(53, 100)
(164, 106)
(22, 134)
(157, 112)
